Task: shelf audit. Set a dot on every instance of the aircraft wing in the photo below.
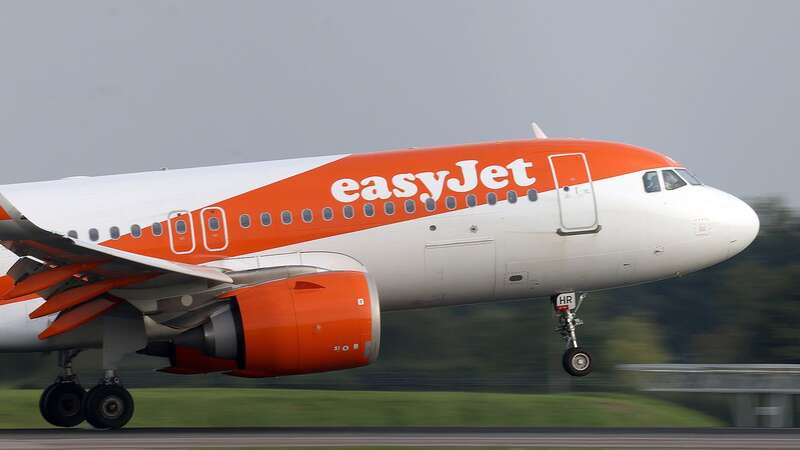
(78, 279)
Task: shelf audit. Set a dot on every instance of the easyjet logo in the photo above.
(427, 185)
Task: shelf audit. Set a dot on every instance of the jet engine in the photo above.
(303, 324)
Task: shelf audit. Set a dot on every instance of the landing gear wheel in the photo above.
(577, 362)
(61, 404)
(108, 406)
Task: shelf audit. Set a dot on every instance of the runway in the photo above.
(178, 438)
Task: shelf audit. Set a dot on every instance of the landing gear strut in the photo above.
(577, 362)
(108, 405)
(61, 403)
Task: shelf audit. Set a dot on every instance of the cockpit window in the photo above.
(689, 176)
(651, 182)
(672, 180)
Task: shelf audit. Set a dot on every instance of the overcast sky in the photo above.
(99, 87)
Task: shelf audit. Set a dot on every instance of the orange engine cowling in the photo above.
(303, 324)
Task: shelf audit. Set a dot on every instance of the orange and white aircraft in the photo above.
(277, 268)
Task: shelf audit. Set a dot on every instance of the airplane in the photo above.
(284, 267)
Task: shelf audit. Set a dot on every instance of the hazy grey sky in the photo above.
(97, 87)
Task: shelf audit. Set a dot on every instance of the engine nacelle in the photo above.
(304, 324)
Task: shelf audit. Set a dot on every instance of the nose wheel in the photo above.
(576, 361)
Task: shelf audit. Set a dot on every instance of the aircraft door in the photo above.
(214, 226)
(181, 232)
(576, 198)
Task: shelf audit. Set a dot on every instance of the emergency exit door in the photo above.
(576, 198)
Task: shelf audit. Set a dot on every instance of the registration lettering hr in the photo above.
(405, 185)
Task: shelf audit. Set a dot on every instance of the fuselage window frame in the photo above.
(136, 231)
(673, 184)
(94, 235)
(648, 178)
(307, 215)
(286, 217)
(214, 224)
(327, 213)
(450, 202)
(430, 204)
(388, 208)
(114, 232)
(348, 212)
(266, 219)
(472, 201)
(156, 229)
(533, 195)
(245, 221)
(491, 198)
(511, 196)
(369, 209)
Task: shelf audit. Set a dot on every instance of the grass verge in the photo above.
(231, 407)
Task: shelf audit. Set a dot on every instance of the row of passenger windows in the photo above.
(671, 180)
(307, 215)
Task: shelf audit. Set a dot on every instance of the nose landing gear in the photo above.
(576, 361)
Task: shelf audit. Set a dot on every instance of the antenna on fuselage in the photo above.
(537, 132)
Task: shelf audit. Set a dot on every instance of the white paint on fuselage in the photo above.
(644, 237)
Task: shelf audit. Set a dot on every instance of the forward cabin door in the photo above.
(576, 199)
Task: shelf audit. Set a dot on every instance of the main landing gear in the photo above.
(64, 403)
(577, 361)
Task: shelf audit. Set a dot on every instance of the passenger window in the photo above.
(266, 219)
(94, 235)
(180, 226)
(244, 220)
(651, 183)
(327, 213)
(114, 232)
(411, 206)
(156, 229)
(689, 176)
(136, 231)
(286, 217)
(472, 201)
(430, 204)
(533, 195)
(491, 198)
(307, 215)
(369, 210)
(388, 208)
(73, 234)
(450, 202)
(672, 180)
(512, 197)
(348, 212)
(213, 224)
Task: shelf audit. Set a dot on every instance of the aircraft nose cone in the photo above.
(743, 225)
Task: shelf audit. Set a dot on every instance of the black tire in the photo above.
(577, 362)
(108, 406)
(42, 409)
(61, 404)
